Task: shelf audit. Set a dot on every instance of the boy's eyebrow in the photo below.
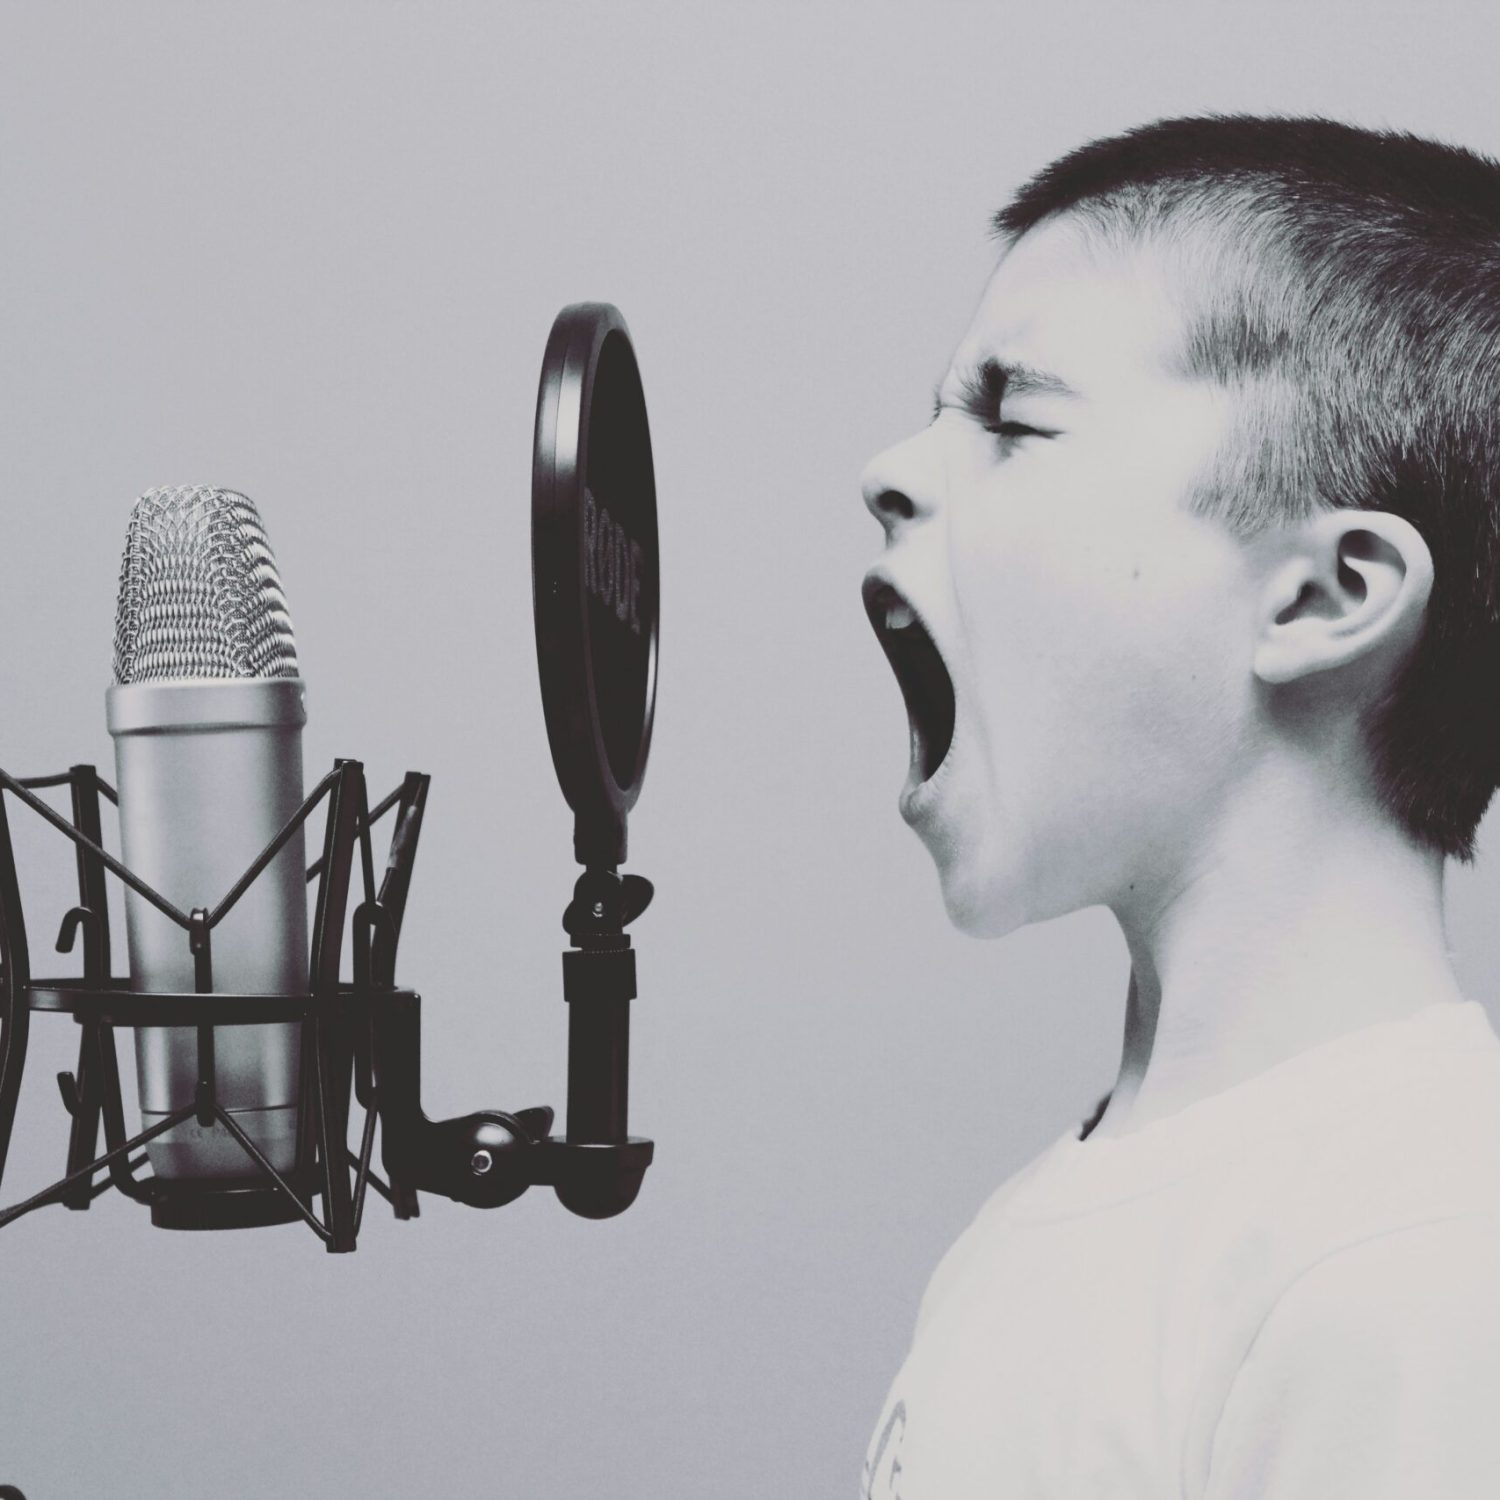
(981, 390)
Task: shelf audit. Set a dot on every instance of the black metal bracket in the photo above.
(362, 1040)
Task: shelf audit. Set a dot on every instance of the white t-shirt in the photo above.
(1287, 1291)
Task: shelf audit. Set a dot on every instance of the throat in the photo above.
(1304, 921)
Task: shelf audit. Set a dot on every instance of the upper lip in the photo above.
(920, 666)
(879, 591)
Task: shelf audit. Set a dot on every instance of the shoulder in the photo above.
(1432, 1285)
(967, 1259)
(1375, 1373)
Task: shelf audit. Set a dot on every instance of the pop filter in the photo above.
(595, 572)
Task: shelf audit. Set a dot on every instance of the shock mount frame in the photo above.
(361, 1039)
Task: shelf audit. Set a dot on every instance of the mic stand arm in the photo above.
(489, 1158)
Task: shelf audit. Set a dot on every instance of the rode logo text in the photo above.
(613, 563)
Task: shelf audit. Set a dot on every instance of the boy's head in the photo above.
(1211, 500)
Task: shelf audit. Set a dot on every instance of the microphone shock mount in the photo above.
(361, 1038)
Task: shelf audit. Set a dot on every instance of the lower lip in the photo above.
(919, 798)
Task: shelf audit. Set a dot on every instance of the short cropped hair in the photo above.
(1343, 285)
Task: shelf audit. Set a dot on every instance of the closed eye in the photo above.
(1004, 429)
(982, 392)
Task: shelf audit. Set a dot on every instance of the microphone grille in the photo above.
(199, 592)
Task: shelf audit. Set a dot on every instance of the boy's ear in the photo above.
(1346, 585)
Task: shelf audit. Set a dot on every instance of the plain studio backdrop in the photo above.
(312, 252)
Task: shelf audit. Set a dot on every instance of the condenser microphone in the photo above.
(206, 712)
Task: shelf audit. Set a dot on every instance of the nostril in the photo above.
(893, 505)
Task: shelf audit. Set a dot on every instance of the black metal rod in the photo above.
(54, 1193)
(117, 1006)
(92, 914)
(112, 1108)
(206, 1092)
(395, 885)
(366, 859)
(83, 1132)
(272, 849)
(333, 894)
(109, 862)
(93, 892)
(227, 1121)
(41, 783)
(333, 1145)
(98, 1189)
(332, 1060)
(374, 1180)
(304, 1163)
(347, 809)
(200, 939)
(15, 975)
(363, 1044)
(382, 807)
(362, 1172)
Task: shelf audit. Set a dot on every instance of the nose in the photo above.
(901, 484)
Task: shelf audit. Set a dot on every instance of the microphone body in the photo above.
(208, 772)
(206, 712)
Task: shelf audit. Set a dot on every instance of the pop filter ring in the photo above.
(595, 572)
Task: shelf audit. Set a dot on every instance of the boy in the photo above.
(1192, 591)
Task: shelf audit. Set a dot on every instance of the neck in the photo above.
(1288, 931)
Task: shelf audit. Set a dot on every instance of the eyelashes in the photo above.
(981, 393)
(992, 423)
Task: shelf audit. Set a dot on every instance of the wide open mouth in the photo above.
(918, 665)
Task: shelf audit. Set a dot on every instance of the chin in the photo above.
(983, 903)
(991, 898)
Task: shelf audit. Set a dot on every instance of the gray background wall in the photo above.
(312, 252)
